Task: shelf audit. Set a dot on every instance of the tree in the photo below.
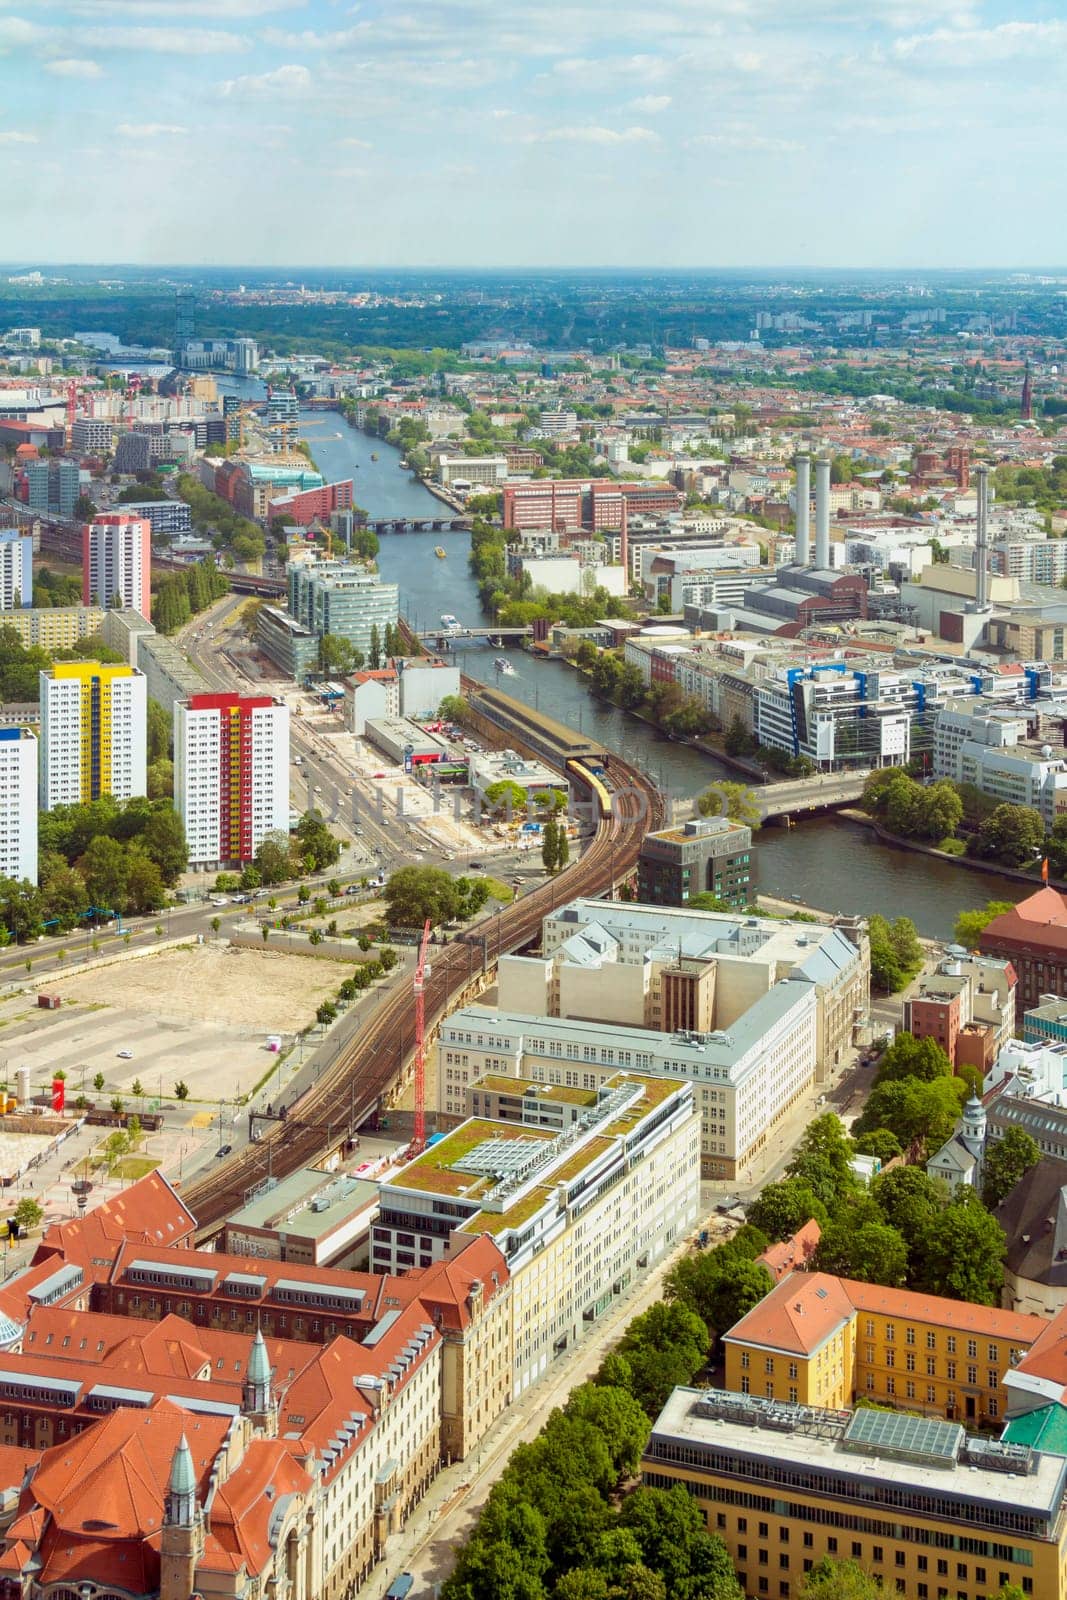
(104, 868)
(98, 1082)
(181, 1090)
(335, 654)
(506, 798)
(144, 881)
(782, 1208)
(1006, 1161)
(117, 1104)
(159, 731)
(273, 858)
(733, 800)
(665, 1346)
(914, 1110)
(822, 1160)
(563, 848)
(618, 1419)
(326, 1013)
(21, 907)
(872, 1252)
(840, 1580)
(908, 1057)
(962, 1253)
(669, 1527)
(1012, 835)
(970, 925)
(315, 843)
(375, 652)
(137, 1088)
(164, 840)
(549, 843)
(28, 1213)
(414, 893)
(453, 708)
(721, 1286)
(159, 779)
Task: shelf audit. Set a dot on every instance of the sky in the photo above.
(682, 133)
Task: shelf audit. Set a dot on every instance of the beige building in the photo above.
(55, 628)
(581, 1190)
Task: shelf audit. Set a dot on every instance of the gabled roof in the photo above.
(249, 1508)
(798, 1315)
(148, 1212)
(445, 1288)
(792, 1255)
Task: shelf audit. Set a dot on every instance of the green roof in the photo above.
(1044, 1429)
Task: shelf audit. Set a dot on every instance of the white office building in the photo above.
(987, 746)
(16, 569)
(18, 804)
(231, 774)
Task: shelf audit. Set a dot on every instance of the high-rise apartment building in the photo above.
(93, 733)
(18, 804)
(117, 561)
(16, 569)
(343, 598)
(231, 774)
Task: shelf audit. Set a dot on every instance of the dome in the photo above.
(10, 1332)
(664, 630)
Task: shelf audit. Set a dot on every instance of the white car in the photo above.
(125, 1055)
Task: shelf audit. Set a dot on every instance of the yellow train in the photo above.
(597, 788)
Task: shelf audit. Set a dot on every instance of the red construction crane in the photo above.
(418, 1142)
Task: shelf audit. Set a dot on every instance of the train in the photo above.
(596, 786)
(553, 741)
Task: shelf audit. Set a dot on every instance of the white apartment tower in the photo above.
(231, 774)
(93, 733)
(16, 569)
(18, 804)
(117, 561)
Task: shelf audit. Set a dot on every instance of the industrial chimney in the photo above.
(803, 519)
(822, 512)
(981, 544)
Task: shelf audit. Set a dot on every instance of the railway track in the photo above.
(354, 1086)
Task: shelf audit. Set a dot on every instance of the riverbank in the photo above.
(916, 847)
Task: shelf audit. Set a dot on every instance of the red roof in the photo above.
(1039, 921)
(792, 1255)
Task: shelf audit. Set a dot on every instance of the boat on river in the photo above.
(503, 666)
(449, 620)
(439, 551)
(374, 455)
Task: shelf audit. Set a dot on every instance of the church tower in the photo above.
(182, 1539)
(257, 1400)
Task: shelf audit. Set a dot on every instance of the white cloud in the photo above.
(975, 46)
(74, 67)
(164, 41)
(650, 104)
(745, 141)
(16, 31)
(13, 136)
(358, 144)
(291, 80)
(591, 134)
(149, 130)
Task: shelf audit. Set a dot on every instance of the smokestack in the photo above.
(822, 512)
(803, 466)
(981, 543)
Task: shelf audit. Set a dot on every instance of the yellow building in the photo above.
(825, 1341)
(932, 1513)
(55, 628)
(93, 733)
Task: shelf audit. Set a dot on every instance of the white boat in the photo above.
(504, 666)
(449, 620)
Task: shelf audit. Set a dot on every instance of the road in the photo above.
(809, 794)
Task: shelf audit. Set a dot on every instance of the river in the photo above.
(825, 862)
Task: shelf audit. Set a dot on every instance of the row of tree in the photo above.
(414, 894)
(555, 845)
(1011, 835)
(180, 595)
(676, 712)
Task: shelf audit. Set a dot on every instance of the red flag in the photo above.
(1044, 870)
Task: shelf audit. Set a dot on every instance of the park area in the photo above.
(199, 1015)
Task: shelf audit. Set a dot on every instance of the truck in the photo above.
(399, 1587)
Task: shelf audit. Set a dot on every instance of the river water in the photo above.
(825, 862)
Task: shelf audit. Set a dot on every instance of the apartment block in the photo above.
(92, 437)
(93, 733)
(231, 774)
(819, 1340)
(18, 804)
(582, 1191)
(967, 1006)
(163, 516)
(705, 855)
(117, 562)
(930, 1510)
(16, 569)
(55, 628)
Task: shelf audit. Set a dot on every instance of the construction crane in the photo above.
(422, 972)
(72, 402)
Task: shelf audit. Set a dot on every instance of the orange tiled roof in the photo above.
(792, 1255)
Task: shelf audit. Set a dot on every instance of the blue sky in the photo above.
(512, 132)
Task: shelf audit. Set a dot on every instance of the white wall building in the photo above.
(567, 575)
(231, 774)
(18, 804)
(979, 744)
(93, 733)
(16, 569)
(117, 560)
(424, 683)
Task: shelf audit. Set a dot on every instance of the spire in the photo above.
(181, 1490)
(257, 1389)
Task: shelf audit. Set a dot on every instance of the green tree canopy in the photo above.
(782, 1208)
(840, 1580)
(908, 1057)
(962, 1253)
(733, 800)
(1006, 1161)
(1012, 835)
(970, 925)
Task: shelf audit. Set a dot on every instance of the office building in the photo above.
(582, 1191)
(928, 1509)
(1033, 937)
(309, 505)
(344, 599)
(163, 516)
(292, 648)
(819, 1340)
(91, 436)
(665, 968)
(231, 774)
(16, 569)
(837, 716)
(988, 747)
(51, 486)
(117, 562)
(706, 855)
(93, 733)
(18, 804)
